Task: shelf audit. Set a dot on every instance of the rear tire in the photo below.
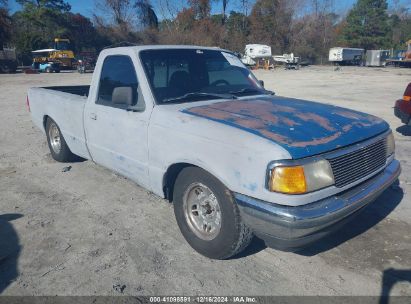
(6, 69)
(57, 145)
(208, 216)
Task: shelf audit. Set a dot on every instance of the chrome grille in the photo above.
(355, 165)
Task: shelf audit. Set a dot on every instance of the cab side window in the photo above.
(118, 85)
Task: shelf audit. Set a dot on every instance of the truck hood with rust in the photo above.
(303, 128)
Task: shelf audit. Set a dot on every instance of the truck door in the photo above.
(116, 120)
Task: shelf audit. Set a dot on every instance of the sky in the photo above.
(86, 7)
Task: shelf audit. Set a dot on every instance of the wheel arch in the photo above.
(172, 172)
(170, 177)
(45, 118)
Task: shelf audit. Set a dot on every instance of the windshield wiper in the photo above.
(250, 90)
(194, 95)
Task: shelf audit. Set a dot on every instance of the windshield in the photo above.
(183, 75)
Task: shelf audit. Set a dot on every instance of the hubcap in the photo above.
(54, 136)
(202, 211)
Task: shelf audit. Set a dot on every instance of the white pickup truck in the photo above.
(193, 125)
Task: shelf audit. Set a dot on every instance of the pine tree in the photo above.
(367, 25)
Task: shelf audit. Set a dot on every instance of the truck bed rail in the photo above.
(81, 90)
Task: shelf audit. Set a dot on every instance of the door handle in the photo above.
(93, 116)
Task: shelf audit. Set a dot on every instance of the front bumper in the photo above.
(290, 228)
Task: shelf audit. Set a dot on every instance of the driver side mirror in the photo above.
(122, 96)
(261, 83)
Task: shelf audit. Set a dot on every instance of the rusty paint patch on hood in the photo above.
(303, 128)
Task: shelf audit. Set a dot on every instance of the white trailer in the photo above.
(346, 56)
(376, 58)
(253, 52)
(289, 61)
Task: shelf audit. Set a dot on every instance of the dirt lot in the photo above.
(91, 232)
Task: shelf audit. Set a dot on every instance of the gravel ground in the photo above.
(88, 231)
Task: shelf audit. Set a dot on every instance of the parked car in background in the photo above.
(402, 107)
(194, 125)
(47, 67)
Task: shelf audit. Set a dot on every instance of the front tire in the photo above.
(57, 145)
(207, 215)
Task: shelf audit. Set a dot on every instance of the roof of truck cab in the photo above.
(159, 47)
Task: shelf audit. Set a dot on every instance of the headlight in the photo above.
(390, 144)
(301, 179)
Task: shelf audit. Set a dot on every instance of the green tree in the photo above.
(5, 24)
(55, 5)
(40, 21)
(82, 33)
(37, 24)
(367, 25)
(46, 19)
(400, 22)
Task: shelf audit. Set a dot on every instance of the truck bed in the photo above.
(81, 90)
(65, 105)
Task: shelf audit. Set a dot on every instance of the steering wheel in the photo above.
(219, 82)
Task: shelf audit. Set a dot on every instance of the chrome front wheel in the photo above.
(207, 215)
(202, 211)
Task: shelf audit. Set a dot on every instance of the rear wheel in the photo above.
(57, 145)
(207, 215)
(8, 67)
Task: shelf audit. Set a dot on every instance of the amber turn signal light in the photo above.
(289, 180)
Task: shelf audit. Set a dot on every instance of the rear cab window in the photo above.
(117, 71)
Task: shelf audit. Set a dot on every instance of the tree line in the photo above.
(308, 28)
